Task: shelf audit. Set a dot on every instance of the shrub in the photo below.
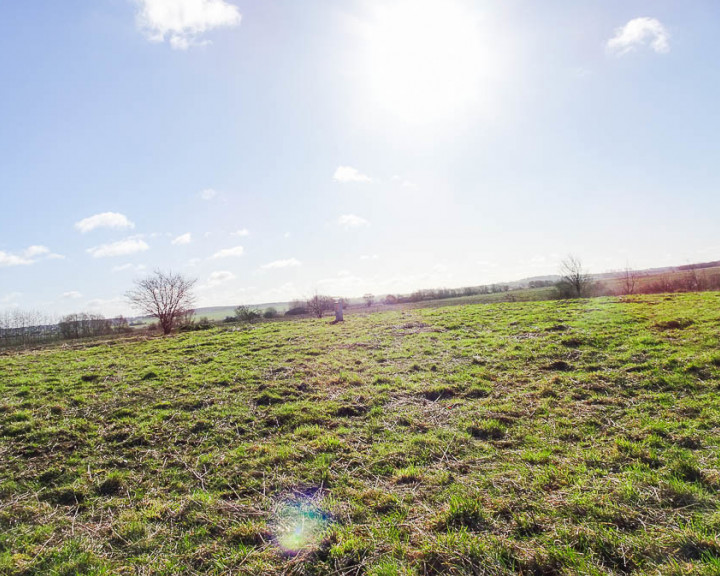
(296, 311)
(244, 313)
(270, 313)
(192, 325)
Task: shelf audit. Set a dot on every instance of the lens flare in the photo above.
(300, 524)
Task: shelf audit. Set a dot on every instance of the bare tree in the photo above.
(369, 299)
(319, 304)
(693, 281)
(575, 280)
(25, 327)
(84, 325)
(629, 280)
(165, 296)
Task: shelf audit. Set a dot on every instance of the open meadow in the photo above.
(558, 437)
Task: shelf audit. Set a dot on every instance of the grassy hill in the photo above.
(222, 312)
(561, 437)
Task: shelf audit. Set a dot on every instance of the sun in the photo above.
(426, 60)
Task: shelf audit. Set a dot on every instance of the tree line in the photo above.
(29, 327)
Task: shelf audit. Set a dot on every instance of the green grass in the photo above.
(519, 438)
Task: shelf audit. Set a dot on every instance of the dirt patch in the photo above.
(351, 410)
(673, 324)
(415, 328)
(558, 366)
(434, 394)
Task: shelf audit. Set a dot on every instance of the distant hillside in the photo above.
(222, 312)
(535, 285)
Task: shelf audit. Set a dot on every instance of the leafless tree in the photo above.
(318, 304)
(24, 327)
(369, 299)
(629, 280)
(84, 325)
(575, 280)
(166, 296)
(694, 282)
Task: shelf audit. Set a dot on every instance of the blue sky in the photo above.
(275, 148)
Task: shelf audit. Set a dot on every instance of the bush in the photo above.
(192, 325)
(296, 311)
(246, 314)
(270, 313)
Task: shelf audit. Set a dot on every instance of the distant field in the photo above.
(559, 437)
(648, 281)
(521, 295)
(222, 312)
(611, 284)
(219, 313)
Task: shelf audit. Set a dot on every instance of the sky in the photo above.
(271, 149)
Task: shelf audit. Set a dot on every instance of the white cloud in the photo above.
(640, 32)
(348, 221)
(113, 220)
(369, 257)
(288, 263)
(33, 251)
(110, 307)
(345, 174)
(124, 247)
(183, 22)
(208, 194)
(182, 239)
(228, 252)
(72, 295)
(218, 289)
(219, 277)
(30, 255)
(242, 232)
(7, 259)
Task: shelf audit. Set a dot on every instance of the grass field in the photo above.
(537, 438)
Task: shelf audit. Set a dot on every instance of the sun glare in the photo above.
(426, 60)
(300, 525)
